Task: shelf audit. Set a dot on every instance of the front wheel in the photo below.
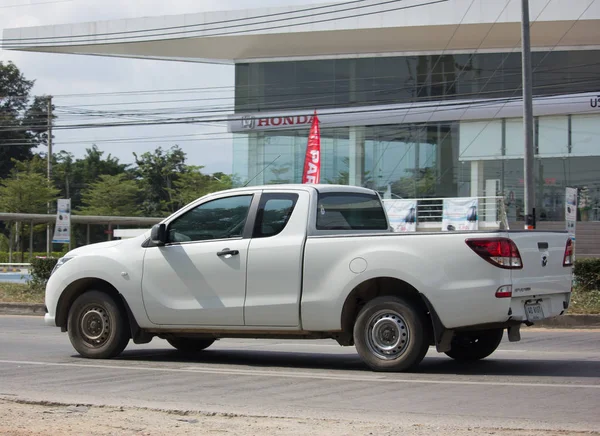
(476, 345)
(190, 345)
(391, 334)
(97, 325)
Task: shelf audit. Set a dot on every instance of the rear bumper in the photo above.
(552, 305)
(487, 310)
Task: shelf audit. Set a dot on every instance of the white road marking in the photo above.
(302, 375)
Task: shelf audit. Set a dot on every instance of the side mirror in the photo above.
(158, 235)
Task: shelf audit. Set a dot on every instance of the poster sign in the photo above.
(402, 214)
(460, 214)
(571, 210)
(62, 229)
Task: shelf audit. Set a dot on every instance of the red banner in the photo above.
(312, 161)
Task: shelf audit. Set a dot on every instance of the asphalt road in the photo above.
(549, 380)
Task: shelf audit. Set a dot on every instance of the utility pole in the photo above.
(48, 235)
(528, 161)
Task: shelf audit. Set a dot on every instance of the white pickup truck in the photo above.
(309, 262)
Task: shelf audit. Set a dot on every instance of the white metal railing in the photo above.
(13, 267)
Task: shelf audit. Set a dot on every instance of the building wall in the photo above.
(326, 83)
(463, 157)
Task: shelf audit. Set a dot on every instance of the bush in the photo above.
(40, 271)
(587, 274)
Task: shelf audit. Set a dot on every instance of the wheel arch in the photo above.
(79, 287)
(377, 287)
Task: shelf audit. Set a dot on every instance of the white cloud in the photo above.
(70, 74)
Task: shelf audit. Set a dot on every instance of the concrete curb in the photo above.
(572, 321)
(562, 322)
(22, 309)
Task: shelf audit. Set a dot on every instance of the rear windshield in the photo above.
(349, 211)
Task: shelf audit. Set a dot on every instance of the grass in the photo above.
(582, 302)
(19, 293)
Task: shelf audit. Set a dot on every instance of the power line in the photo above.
(540, 62)
(187, 26)
(443, 51)
(544, 58)
(508, 73)
(547, 54)
(427, 107)
(75, 113)
(318, 93)
(504, 59)
(94, 40)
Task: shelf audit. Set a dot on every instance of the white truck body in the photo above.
(294, 277)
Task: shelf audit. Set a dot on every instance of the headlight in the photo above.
(60, 263)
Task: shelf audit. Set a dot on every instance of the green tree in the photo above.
(158, 172)
(26, 190)
(111, 196)
(24, 122)
(193, 184)
(72, 176)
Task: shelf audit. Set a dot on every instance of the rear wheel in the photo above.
(477, 345)
(190, 345)
(98, 326)
(391, 334)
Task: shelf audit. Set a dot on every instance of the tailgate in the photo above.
(543, 272)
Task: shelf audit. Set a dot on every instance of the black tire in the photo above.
(190, 345)
(396, 324)
(98, 326)
(476, 345)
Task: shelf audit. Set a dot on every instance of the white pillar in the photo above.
(356, 155)
(477, 179)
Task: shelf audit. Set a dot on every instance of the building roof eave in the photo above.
(245, 37)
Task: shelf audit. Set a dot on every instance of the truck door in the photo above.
(274, 276)
(199, 276)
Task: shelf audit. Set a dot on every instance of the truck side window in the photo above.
(274, 211)
(217, 219)
(350, 211)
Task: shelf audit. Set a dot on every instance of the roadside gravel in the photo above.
(20, 419)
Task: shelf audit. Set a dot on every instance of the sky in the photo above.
(61, 74)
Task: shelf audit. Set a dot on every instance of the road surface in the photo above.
(550, 380)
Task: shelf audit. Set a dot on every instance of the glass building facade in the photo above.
(441, 159)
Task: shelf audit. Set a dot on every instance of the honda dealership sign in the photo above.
(418, 112)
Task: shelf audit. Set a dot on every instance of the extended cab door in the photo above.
(199, 276)
(275, 259)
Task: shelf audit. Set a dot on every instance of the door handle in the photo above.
(228, 252)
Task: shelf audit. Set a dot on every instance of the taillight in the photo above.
(500, 252)
(568, 258)
(504, 292)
